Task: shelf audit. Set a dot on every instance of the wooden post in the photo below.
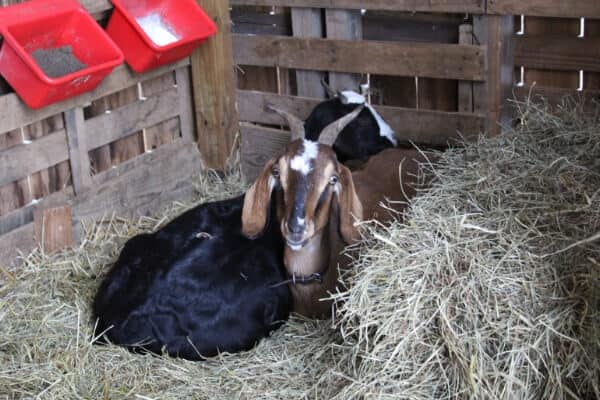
(490, 97)
(343, 24)
(213, 82)
(307, 22)
(78, 150)
(53, 228)
(465, 88)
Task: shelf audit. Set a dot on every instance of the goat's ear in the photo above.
(256, 203)
(350, 207)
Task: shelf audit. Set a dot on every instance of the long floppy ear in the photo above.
(350, 207)
(256, 203)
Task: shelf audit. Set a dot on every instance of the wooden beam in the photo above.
(259, 144)
(126, 120)
(546, 8)
(213, 80)
(449, 6)
(490, 97)
(53, 228)
(420, 126)
(385, 58)
(343, 24)
(465, 88)
(558, 52)
(15, 114)
(308, 23)
(78, 149)
(20, 240)
(186, 112)
(23, 160)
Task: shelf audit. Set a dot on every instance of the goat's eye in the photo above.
(333, 180)
(275, 172)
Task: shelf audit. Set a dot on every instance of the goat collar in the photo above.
(303, 279)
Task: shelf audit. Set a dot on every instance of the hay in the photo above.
(490, 289)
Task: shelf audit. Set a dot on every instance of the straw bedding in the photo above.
(489, 289)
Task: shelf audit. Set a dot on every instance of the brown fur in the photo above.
(358, 195)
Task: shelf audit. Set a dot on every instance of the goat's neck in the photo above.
(318, 255)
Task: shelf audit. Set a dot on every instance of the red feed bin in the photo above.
(53, 50)
(157, 32)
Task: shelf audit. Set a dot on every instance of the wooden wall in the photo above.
(126, 147)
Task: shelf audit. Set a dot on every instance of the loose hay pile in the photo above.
(490, 289)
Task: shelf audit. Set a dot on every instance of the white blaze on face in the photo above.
(302, 162)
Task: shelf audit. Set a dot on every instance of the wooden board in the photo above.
(419, 126)
(53, 228)
(259, 144)
(308, 23)
(386, 58)
(558, 52)
(547, 8)
(20, 240)
(14, 113)
(344, 24)
(459, 6)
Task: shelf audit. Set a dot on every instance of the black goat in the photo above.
(365, 136)
(196, 287)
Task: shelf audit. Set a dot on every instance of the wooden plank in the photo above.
(449, 6)
(24, 215)
(343, 24)
(490, 96)
(53, 228)
(394, 26)
(186, 112)
(14, 113)
(213, 81)
(308, 23)
(78, 149)
(124, 121)
(137, 186)
(465, 88)
(385, 58)
(558, 52)
(419, 126)
(20, 240)
(96, 6)
(260, 144)
(249, 20)
(546, 8)
(12, 195)
(24, 159)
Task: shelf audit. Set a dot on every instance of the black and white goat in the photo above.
(366, 135)
(196, 287)
(319, 199)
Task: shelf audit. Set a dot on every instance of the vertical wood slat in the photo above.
(78, 153)
(213, 81)
(465, 88)
(343, 24)
(186, 117)
(53, 228)
(308, 22)
(490, 96)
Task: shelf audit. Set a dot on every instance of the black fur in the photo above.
(193, 297)
(359, 140)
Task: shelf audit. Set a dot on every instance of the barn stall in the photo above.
(80, 173)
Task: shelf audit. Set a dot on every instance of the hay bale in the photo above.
(489, 289)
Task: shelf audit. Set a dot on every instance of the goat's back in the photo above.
(390, 175)
(196, 287)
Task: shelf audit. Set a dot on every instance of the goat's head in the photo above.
(311, 184)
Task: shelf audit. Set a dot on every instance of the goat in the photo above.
(196, 287)
(318, 202)
(366, 135)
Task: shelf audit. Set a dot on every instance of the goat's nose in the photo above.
(294, 228)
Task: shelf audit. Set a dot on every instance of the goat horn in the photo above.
(330, 92)
(296, 124)
(331, 131)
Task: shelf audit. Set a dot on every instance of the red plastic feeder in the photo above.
(53, 50)
(157, 32)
